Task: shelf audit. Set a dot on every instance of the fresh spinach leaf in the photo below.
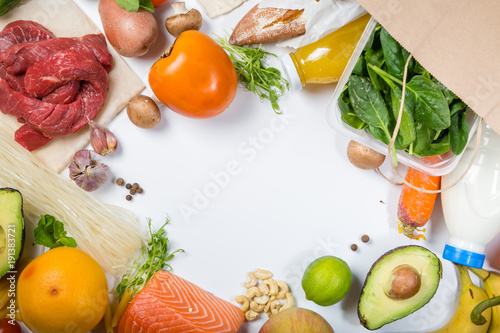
(368, 103)
(395, 59)
(360, 67)
(379, 134)
(375, 58)
(423, 139)
(448, 94)
(50, 233)
(353, 120)
(428, 102)
(438, 147)
(406, 134)
(459, 132)
(457, 107)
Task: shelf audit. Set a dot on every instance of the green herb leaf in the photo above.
(154, 257)
(134, 5)
(129, 5)
(253, 73)
(147, 5)
(50, 233)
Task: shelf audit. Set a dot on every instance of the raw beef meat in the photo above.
(52, 85)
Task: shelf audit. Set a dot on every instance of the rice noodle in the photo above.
(109, 234)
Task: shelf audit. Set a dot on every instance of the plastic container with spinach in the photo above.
(434, 118)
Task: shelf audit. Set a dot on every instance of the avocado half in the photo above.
(377, 306)
(12, 230)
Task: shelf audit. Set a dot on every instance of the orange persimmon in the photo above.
(195, 76)
(415, 207)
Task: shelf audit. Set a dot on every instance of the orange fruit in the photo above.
(62, 290)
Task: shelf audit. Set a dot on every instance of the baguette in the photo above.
(263, 25)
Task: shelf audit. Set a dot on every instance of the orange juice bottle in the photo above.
(324, 60)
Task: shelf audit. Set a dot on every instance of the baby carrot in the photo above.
(415, 206)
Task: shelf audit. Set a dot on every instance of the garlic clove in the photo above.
(102, 140)
(88, 173)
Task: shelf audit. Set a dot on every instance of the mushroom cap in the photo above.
(178, 23)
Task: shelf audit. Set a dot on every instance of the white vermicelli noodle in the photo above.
(109, 234)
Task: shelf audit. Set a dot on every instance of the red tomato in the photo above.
(158, 3)
(6, 327)
(196, 78)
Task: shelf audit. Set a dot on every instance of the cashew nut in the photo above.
(283, 290)
(266, 309)
(252, 281)
(264, 289)
(261, 299)
(251, 315)
(253, 292)
(273, 286)
(290, 302)
(256, 306)
(263, 274)
(244, 302)
(275, 307)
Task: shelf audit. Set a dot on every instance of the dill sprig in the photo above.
(154, 256)
(253, 73)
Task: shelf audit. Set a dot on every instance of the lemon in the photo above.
(327, 280)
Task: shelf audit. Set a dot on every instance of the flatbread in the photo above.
(65, 19)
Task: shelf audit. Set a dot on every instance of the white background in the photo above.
(292, 196)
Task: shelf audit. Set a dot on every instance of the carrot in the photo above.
(415, 207)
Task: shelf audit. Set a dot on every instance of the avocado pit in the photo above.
(403, 283)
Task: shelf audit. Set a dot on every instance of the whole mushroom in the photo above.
(183, 19)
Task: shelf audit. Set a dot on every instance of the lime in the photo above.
(326, 280)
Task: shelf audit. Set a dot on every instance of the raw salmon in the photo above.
(171, 304)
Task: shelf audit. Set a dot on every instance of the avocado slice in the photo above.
(399, 283)
(12, 231)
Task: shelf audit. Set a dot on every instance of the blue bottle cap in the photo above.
(463, 257)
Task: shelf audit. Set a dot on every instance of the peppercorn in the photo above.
(140, 190)
(354, 247)
(132, 191)
(128, 197)
(135, 186)
(128, 186)
(120, 182)
(365, 238)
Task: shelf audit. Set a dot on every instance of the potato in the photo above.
(363, 157)
(143, 112)
(130, 33)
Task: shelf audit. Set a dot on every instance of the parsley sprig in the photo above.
(50, 233)
(253, 73)
(154, 256)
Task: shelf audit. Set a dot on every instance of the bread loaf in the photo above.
(262, 25)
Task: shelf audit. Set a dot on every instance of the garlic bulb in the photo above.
(87, 172)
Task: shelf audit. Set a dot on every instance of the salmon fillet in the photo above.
(170, 304)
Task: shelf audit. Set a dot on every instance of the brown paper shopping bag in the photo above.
(458, 41)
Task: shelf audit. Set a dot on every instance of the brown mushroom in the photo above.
(183, 19)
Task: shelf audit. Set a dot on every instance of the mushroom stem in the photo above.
(179, 8)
